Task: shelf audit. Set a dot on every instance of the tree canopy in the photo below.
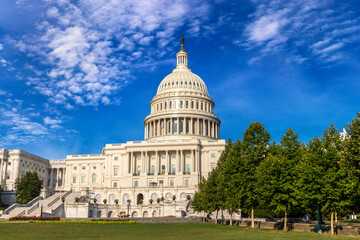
(27, 187)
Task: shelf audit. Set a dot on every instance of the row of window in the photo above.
(184, 83)
(82, 180)
(84, 167)
(207, 107)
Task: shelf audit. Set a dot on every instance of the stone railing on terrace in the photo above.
(84, 156)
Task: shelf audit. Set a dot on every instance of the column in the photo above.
(134, 160)
(5, 177)
(1, 170)
(51, 177)
(182, 162)
(178, 126)
(130, 162)
(101, 173)
(218, 131)
(198, 126)
(191, 126)
(208, 124)
(89, 173)
(171, 126)
(167, 167)
(146, 170)
(215, 129)
(16, 168)
(157, 160)
(177, 161)
(196, 167)
(204, 127)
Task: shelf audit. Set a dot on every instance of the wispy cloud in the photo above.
(84, 51)
(305, 29)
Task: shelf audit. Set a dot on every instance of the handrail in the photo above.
(33, 208)
(29, 204)
(12, 207)
(21, 214)
(53, 201)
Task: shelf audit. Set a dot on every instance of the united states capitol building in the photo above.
(149, 178)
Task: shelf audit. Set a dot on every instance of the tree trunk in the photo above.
(204, 217)
(252, 218)
(336, 217)
(217, 211)
(230, 219)
(285, 221)
(332, 223)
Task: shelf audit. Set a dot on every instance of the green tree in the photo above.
(27, 187)
(275, 185)
(350, 166)
(320, 177)
(247, 156)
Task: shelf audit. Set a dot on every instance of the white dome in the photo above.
(183, 80)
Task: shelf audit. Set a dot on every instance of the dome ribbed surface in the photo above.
(183, 80)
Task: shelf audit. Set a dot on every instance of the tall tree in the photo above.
(350, 165)
(320, 176)
(276, 176)
(247, 155)
(27, 187)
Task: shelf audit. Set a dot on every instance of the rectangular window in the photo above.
(139, 158)
(173, 156)
(163, 156)
(152, 157)
(213, 155)
(116, 158)
(75, 167)
(115, 171)
(115, 184)
(171, 183)
(83, 167)
(74, 179)
(187, 155)
(136, 183)
(82, 179)
(186, 182)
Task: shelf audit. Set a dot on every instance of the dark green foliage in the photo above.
(350, 166)
(289, 178)
(27, 187)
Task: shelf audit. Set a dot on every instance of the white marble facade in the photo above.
(181, 146)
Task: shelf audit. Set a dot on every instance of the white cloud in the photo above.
(50, 121)
(289, 27)
(1, 46)
(88, 48)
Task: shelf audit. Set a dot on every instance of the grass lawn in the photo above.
(146, 231)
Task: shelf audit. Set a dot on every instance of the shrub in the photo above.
(22, 218)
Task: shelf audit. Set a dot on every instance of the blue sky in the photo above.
(75, 75)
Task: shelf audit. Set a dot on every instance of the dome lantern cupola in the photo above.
(182, 58)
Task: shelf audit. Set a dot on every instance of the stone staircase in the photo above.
(50, 206)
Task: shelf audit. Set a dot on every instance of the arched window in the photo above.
(201, 106)
(165, 105)
(188, 168)
(173, 168)
(94, 178)
(157, 107)
(205, 106)
(170, 104)
(186, 104)
(181, 104)
(138, 170)
(197, 105)
(163, 169)
(152, 169)
(125, 198)
(160, 106)
(192, 104)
